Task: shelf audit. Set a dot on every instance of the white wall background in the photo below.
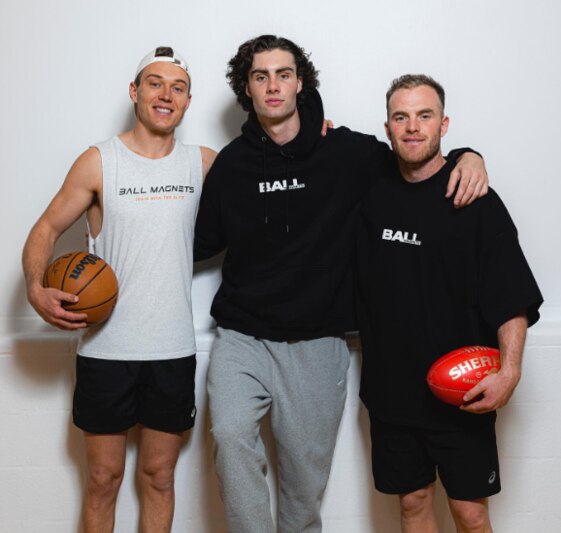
(65, 66)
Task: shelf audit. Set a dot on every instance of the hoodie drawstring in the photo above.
(289, 159)
(264, 144)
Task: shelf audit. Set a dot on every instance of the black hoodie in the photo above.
(287, 215)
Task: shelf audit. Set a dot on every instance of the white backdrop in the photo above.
(66, 65)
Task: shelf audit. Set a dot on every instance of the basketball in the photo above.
(451, 376)
(90, 278)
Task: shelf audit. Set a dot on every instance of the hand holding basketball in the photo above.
(87, 277)
(49, 306)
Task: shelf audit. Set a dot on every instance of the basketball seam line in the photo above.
(76, 309)
(92, 278)
(66, 271)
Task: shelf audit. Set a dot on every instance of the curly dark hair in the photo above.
(240, 65)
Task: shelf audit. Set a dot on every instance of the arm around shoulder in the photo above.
(470, 177)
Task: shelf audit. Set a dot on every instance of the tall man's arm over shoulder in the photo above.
(469, 179)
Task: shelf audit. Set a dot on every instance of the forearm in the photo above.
(512, 336)
(496, 389)
(47, 302)
(37, 253)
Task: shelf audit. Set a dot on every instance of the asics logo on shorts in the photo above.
(492, 477)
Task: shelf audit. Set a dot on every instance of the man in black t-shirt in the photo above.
(430, 279)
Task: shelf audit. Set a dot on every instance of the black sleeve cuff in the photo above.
(453, 155)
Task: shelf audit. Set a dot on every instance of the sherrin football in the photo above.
(451, 376)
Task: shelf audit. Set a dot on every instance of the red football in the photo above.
(451, 376)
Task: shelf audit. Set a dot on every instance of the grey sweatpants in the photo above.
(304, 386)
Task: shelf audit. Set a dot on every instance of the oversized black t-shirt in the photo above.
(430, 279)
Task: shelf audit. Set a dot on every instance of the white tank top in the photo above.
(149, 211)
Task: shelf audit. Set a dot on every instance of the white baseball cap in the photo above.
(163, 53)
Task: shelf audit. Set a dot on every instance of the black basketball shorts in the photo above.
(113, 396)
(406, 459)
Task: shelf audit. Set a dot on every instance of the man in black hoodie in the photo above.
(283, 201)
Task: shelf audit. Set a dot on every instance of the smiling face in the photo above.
(161, 97)
(415, 125)
(273, 86)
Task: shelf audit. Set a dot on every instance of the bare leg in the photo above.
(106, 467)
(157, 456)
(471, 516)
(417, 511)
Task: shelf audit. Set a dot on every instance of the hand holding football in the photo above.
(451, 376)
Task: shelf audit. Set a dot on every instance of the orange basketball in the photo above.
(90, 278)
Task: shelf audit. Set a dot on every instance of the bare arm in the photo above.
(208, 155)
(498, 388)
(79, 191)
(472, 177)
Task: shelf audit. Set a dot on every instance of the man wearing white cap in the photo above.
(140, 191)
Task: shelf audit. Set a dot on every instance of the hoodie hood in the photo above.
(311, 122)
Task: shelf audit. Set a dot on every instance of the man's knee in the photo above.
(472, 516)
(156, 467)
(416, 503)
(104, 480)
(159, 475)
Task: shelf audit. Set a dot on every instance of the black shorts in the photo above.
(406, 459)
(113, 396)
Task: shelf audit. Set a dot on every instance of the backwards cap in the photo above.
(162, 53)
